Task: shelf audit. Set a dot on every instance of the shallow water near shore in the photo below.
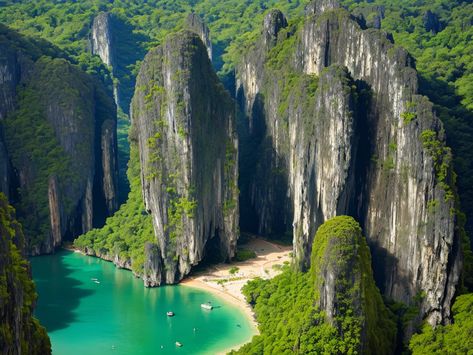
(90, 307)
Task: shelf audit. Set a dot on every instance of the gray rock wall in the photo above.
(395, 180)
(83, 123)
(185, 126)
(195, 24)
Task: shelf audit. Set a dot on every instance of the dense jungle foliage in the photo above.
(288, 306)
(437, 33)
(17, 291)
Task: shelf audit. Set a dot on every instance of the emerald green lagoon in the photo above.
(90, 307)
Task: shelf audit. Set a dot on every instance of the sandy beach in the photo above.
(218, 279)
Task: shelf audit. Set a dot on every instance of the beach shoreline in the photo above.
(228, 298)
(226, 280)
(227, 284)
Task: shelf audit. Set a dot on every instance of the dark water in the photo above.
(119, 316)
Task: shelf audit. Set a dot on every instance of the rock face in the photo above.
(195, 24)
(60, 134)
(113, 40)
(362, 143)
(184, 125)
(20, 332)
(102, 43)
(102, 38)
(344, 285)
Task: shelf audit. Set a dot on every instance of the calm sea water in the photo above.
(120, 316)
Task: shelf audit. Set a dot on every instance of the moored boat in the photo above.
(207, 306)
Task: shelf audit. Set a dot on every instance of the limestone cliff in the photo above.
(344, 286)
(113, 40)
(195, 24)
(59, 129)
(184, 125)
(362, 143)
(20, 333)
(102, 43)
(102, 40)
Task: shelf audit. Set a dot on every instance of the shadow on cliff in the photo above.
(457, 120)
(130, 48)
(263, 174)
(59, 294)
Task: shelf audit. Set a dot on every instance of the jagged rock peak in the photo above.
(344, 285)
(197, 25)
(189, 186)
(397, 176)
(273, 22)
(317, 7)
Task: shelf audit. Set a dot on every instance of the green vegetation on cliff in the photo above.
(19, 331)
(67, 24)
(34, 148)
(333, 308)
(438, 35)
(127, 231)
(454, 338)
(442, 46)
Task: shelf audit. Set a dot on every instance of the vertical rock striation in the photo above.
(102, 38)
(195, 24)
(102, 43)
(113, 40)
(59, 129)
(183, 122)
(368, 146)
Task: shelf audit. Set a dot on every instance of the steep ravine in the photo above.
(363, 144)
(184, 124)
(59, 126)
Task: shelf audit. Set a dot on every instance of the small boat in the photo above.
(94, 279)
(170, 314)
(207, 306)
(97, 281)
(178, 344)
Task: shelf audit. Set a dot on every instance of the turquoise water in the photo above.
(120, 316)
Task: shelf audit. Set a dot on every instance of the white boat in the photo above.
(206, 306)
(170, 314)
(97, 281)
(178, 344)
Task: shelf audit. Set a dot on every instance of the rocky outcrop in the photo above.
(102, 40)
(109, 164)
(113, 40)
(183, 121)
(195, 24)
(20, 332)
(102, 43)
(60, 137)
(363, 143)
(344, 285)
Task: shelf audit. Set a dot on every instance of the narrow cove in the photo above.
(89, 306)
